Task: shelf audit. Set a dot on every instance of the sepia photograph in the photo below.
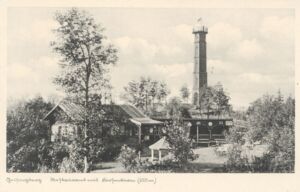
(150, 90)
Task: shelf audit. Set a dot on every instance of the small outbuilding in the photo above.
(160, 145)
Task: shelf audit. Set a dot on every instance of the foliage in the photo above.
(236, 134)
(57, 153)
(92, 148)
(84, 53)
(214, 101)
(28, 145)
(271, 121)
(85, 57)
(26, 135)
(240, 163)
(110, 153)
(69, 157)
(175, 108)
(128, 158)
(145, 93)
(177, 135)
(270, 113)
(73, 162)
(185, 93)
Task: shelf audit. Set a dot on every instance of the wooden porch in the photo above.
(208, 139)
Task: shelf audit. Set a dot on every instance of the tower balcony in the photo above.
(200, 29)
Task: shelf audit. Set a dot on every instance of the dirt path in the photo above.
(208, 161)
(109, 167)
(208, 155)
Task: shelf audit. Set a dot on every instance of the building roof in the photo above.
(145, 121)
(133, 112)
(160, 144)
(75, 112)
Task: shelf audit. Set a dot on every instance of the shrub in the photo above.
(58, 152)
(128, 158)
(271, 121)
(180, 143)
(237, 162)
(25, 159)
(68, 165)
(26, 132)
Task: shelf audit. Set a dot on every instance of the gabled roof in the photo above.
(133, 112)
(75, 112)
(160, 144)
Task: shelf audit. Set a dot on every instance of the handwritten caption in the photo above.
(111, 180)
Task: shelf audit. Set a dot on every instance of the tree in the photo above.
(265, 114)
(176, 109)
(185, 93)
(208, 101)
(269, 120)
(27, 134)
(85, 57)
(145, 93)
(214, 101)
(163, 92)
(177, 135)
(221, 99)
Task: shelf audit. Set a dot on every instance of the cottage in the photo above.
(66, 118)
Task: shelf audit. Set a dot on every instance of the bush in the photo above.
(267, 163)
(180, 143)
(132, 164)
(27, 150)
(25, 159)
(128, 158)
(236, 134)
(68, 165)
(241, 163)
(110, 153)
(271, 121)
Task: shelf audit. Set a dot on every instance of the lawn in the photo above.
(207, 162)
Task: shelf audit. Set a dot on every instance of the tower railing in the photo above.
(198, 29)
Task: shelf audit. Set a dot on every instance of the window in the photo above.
(74, 130)
(65, 131)
(229, 123)
(59, 136)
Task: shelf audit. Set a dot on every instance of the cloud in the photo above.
(183, 33)
(250, 54)
(247, 49)
(38, 31)
(254, 78)
(141, 51)
(279, 29)
(223, 36)
(31, 78)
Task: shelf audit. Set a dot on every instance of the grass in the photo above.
(207, 162)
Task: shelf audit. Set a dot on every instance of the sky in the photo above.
(249, 51)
